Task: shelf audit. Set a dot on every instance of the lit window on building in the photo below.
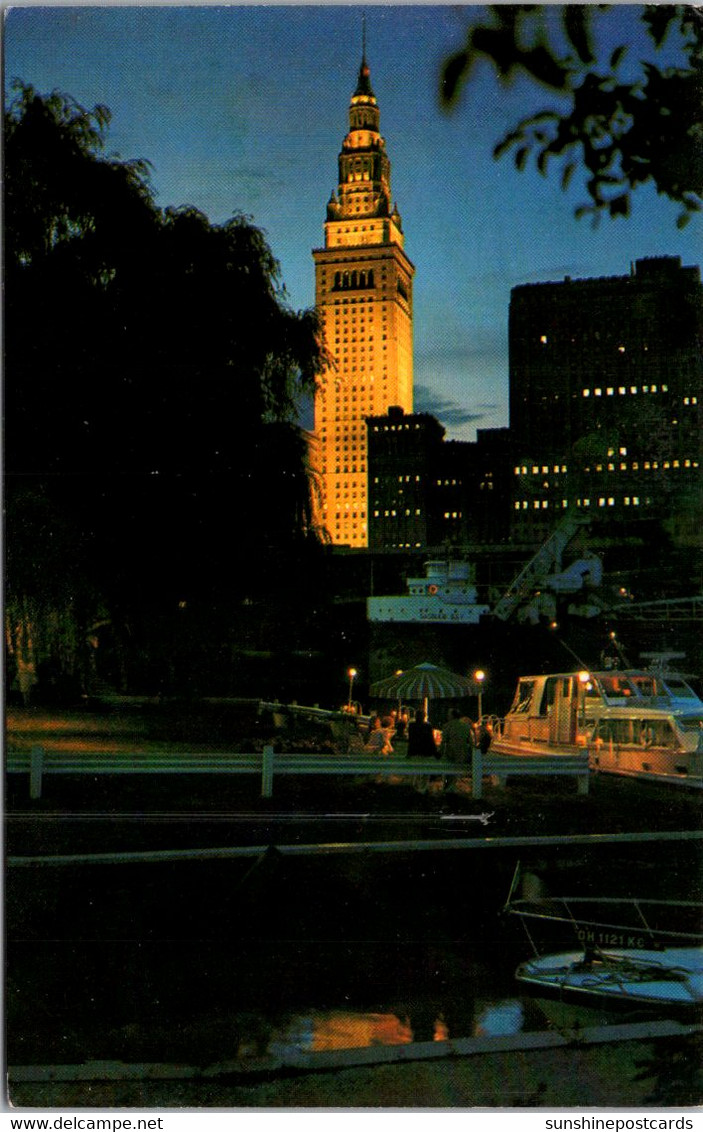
(586, 393)
(597, 392)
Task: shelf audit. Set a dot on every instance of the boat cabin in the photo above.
(631, 721)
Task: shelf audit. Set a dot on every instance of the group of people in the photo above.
(458, 738)
(383, 729)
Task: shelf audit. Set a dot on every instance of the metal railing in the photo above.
(38, 762)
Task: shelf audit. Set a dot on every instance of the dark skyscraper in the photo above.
(606, 387)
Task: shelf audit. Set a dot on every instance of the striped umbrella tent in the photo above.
(424, 682)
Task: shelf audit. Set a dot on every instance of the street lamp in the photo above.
(351, 674)
(479, 677)
(584, 680)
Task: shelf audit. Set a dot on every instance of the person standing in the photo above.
(457, 743)
(421, 744)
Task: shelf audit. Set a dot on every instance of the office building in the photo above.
(363, 293)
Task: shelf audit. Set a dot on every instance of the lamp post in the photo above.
(479, 677)
(351, 674)
(584, 680)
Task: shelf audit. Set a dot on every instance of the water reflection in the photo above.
(321, 1031)
(499, 1018)
(340, 1029)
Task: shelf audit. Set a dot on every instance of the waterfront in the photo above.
(246, 959)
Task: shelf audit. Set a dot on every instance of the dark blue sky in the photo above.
(243, 109)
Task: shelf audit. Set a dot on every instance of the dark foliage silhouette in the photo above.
(153, 373)
(618, 121)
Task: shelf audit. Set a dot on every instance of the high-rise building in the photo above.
(606, 397)
(363, 293)
(429, 492)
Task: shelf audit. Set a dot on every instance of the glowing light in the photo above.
(351, 673)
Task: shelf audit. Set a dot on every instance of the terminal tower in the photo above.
(363, 294)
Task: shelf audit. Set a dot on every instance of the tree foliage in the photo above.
(619, 123)
(153, 373)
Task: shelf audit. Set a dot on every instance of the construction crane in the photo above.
(544, 570)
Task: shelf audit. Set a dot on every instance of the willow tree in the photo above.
(153, 372)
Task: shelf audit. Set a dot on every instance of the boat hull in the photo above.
(667, 979)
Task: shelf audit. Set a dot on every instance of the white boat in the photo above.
(632, 722)
(623, 951)
(446, 595)
(672, 977)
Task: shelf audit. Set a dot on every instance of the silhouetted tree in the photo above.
(617, 123)
(153, 372)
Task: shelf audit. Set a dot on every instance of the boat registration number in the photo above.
(600, 937)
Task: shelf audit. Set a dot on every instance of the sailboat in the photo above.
(625, 952)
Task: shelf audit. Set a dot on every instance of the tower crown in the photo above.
(363, 109)
(364, 189)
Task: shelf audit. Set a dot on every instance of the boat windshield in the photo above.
(523, 696)
(679, 689)
(619, 688)
(646, 685)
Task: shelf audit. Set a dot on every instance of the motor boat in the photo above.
(636, 722)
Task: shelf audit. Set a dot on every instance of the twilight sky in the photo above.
(243, 109)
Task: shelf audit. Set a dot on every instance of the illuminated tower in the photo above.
(363, 292)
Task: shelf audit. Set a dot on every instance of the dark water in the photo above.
(211, 961)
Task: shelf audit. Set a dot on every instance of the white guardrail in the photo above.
(38, 762)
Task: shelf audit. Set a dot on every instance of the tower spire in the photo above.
(363, 86)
